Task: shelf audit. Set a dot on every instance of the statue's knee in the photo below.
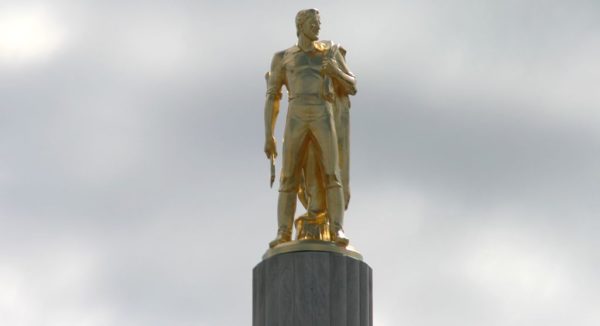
(288, 184)
(333, 181)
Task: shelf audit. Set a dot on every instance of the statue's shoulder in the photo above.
(323, 45)
(279, 55)
(326, 45)
(291, 49)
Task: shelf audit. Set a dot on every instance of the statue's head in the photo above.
(308, 23)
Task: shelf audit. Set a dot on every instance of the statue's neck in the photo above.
(305, 44)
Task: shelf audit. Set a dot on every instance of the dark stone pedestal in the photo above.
(312, 288)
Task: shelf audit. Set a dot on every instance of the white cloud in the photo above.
(518, 272)
(29, 35)
(53, 285)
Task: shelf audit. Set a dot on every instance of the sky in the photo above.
(134, 188)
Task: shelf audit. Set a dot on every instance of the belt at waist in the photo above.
(305, 97)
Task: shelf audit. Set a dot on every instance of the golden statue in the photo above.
(316, 137)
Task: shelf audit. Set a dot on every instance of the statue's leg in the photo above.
(286, 206)
(314, 182)
(314, 224)
(342, 128)
(326, 140)
(293, 156)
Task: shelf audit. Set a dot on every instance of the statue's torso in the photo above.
(303, 73)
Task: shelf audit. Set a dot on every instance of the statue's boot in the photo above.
(286, 207)
(335, 208)
(283, 235)
(338, 235)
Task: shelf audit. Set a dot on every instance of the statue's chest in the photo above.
(303, 61)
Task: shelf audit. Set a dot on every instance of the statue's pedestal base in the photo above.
(312, 288)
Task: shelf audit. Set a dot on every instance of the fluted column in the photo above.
(312, 288)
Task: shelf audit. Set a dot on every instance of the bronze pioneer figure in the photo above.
(315, 155)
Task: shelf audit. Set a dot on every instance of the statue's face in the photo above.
(311, 27)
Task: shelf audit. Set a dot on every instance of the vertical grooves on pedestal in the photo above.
(353, 293)
(272, 293)
(338, 298)
(291, 320)
(259, 295)
(370, 296)
(364, 295)
(322, 274)
(312, 289)
(286, 281)
(302, 314)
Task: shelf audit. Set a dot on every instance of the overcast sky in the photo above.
(134, 188)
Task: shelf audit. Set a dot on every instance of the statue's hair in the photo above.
(302, 16)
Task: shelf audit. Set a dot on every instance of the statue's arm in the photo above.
(342, 74)
(274, 85)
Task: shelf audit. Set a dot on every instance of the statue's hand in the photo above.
(270, 147)
(330, 67)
